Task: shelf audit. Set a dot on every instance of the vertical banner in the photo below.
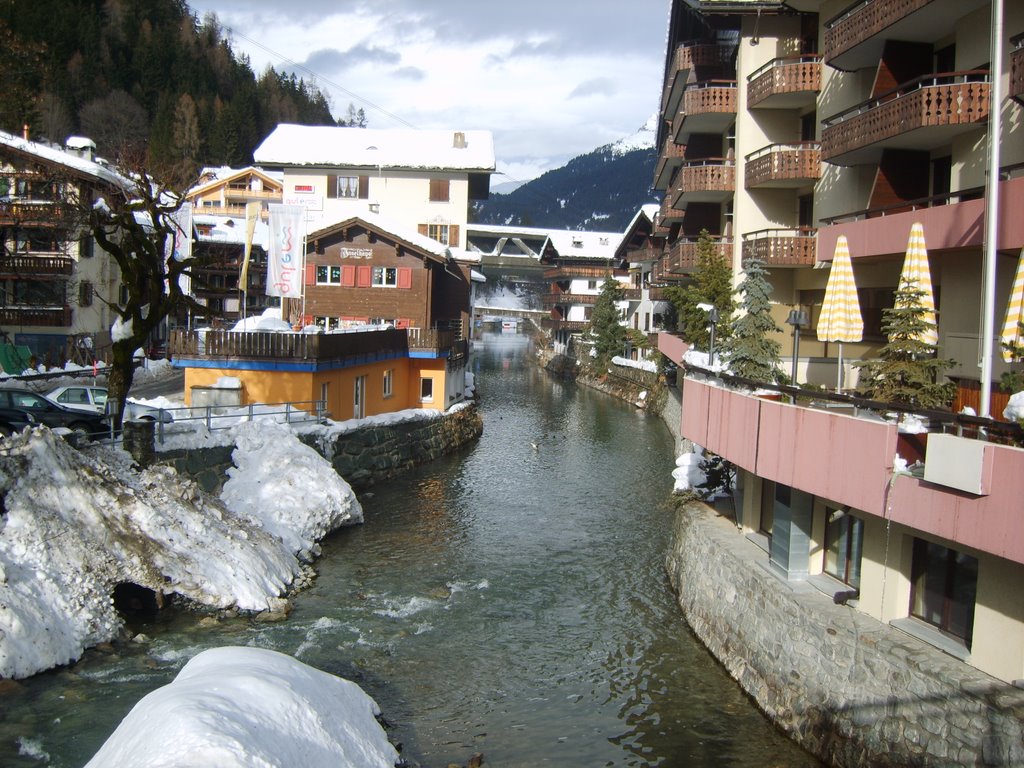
(284, 263)
(252, 213)
(181, 245)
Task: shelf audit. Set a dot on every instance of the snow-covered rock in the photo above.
(241, 707)
(688, 475)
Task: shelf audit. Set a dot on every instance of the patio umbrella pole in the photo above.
(839, 371)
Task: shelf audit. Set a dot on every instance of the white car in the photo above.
(94, 400)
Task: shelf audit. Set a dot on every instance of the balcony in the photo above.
(922, 114)
(787, 83)
(781, 247)
(712, 180)
(684, 254)
(708, 107)
(783, 166)
(27, 213)
(855, 38)
(567, 299)
(843, 452)
(1017, 70)
(671, 157)
(24, 265)
(571, 271)
(688, 56)
(48, 317)
(669, 214)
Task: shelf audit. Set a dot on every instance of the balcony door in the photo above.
(359, 398)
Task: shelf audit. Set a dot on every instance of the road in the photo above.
(168, 385)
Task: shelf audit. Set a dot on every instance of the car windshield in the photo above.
(28, 400)
(99, 396)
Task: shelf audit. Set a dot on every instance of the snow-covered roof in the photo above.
(79, 165)
(383, 224)
(212, 177)
(328, 146)
(585, 245)
(231, 229)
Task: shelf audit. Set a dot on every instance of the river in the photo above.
(510, 600)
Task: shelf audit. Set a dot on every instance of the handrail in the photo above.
(921, 202)
(775, 232)
(910, 86)
(243, 413)
(689, 239)
(781, 61)
(847, 12)
(707, 161)
(704, 84)
(795, 146)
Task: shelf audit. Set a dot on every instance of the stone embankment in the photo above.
(363, 456)
(643, 389)
(852, 690)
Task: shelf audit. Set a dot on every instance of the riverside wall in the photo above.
(644, 389)
(363, 456)
(852, 690)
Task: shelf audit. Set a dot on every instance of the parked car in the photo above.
(94, 400)
(52, 414)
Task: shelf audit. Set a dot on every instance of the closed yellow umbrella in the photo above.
(917, 274)
(1011, 335)
(840, 319)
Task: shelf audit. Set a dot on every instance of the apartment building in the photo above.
(784, 126)
(421, 180)
(55, 284)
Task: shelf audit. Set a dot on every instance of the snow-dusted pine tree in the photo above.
(752, 351)
(605, 327)
(907, 369)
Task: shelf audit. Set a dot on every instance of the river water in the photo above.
(510, 600)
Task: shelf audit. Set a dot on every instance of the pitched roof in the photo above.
(55, 156)
(329, 146)
(437, 251)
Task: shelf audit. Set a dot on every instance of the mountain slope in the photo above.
(600, 190)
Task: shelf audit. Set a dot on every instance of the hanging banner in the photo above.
(284, 262)
(252, 213)
(181, 244)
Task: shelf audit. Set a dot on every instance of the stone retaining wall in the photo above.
(852, 690)
(363, 456)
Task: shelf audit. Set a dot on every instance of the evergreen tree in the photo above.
(605, 327)
(712, 284)
(752, 350)
(907, 370)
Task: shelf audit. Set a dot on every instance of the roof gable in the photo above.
(412, 243)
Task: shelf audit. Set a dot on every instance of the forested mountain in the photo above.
(138, 74)
(599, 191)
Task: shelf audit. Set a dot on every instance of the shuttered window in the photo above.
(439, 190)
(351, 187)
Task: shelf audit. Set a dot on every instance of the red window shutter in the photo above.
(453, 235)
(364, 187)
(311, 274)
(364, 277)
(404, 277)
(348, 276)
(307, 319)
(402, 323)
(422, 229)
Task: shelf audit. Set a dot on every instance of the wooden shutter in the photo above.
(311, 274)
(364, 187)
(422, 229)
(348, 276)
(439, 191)
(402, 323)
(332, 185)
(404, 277)
(453, 235)
(364, 277)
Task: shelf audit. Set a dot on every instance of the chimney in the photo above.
(460, 140)
(24, 131)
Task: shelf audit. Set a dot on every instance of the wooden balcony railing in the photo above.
(797, 78)
(783, 165)
(709, 180)
(669, 214)
(684, 254)
(32, 212)
(671, 156)
(25, 265)
(49, 317)
(572, 326)
(862, 21)
(707, 107)
(569, 271)
(688, 56)
(1017, 69)
(941, 100)
(781, 247)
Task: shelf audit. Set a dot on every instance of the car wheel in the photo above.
(82, 431)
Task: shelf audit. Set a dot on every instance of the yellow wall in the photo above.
(257, 386)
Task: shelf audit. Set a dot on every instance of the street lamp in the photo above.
(712, 311)
(798, 319)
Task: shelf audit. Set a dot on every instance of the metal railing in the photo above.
(214, 417)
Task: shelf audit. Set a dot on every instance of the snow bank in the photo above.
(234, 707)
(643, 365)
(287, 487)
(688, 475)
(77, 524)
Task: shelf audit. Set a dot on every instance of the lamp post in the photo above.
(798, 319)
(712, 311)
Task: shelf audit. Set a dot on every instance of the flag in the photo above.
(284, 263)
(252, 213)
(181, 244)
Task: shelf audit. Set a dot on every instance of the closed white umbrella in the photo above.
(840, 319)
(917, 274)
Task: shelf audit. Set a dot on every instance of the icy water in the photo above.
(511, 600)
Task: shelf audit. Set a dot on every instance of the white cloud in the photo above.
(549, 81)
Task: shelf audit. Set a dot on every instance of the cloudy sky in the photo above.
(551, 79)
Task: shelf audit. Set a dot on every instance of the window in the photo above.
(766, 521)
(328, 275)
(327, 323)
(426, 390)
(348, 187)
(85, 294)
(439, 190)
(943, 586)
(844, 540)
(591, 285)
(438, 232)
(385, 277)
(389, 382)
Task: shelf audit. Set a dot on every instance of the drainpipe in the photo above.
(992, 206)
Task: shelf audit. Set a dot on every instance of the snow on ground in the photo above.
(643, 365)
(688, 475)
(78, 523)
(233, 707)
